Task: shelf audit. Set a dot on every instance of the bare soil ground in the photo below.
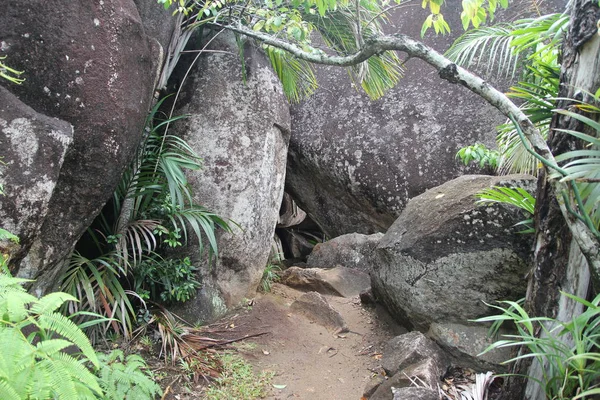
(309, 360)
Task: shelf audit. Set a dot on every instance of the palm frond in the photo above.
(490, 45)
(340, 31)
(297, 76)
(505, 47)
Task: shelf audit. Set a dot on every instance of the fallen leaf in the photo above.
(377, 356)
(280, 387)
(232, 326)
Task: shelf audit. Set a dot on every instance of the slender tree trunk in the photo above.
(559, 264)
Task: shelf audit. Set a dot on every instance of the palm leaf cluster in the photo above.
(152, 208)
(45, 355)
(568, 350)
(528, 48)
(582, 167)
(340, 25)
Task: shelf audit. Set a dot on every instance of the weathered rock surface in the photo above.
(425, 373)
(241, 130)
(464, 343)
(89, 65)
(407, 359)
(410, 349)
(354, 163)
(315, 307)
(33, 150)
(446, 255)
(415, 393)
(352, 251)
(338, 281)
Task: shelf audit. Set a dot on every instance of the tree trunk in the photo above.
(558, 262)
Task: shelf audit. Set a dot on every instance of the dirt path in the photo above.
(310, 361)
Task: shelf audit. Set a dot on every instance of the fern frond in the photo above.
(50, 347)
(51, 302)
(66, 328)
(7, 392)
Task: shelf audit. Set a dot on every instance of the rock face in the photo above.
(33, 150)
(316, 308)
(90, 65)
(352, 251)
(338, 281)
(354, 163)
(241, 130)
(445, 255)
(407, 359)
(464, 343)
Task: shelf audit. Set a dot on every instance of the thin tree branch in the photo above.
(452, 73)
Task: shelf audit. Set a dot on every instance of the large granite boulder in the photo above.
(351, 251)
(445, 255)
(354, 163)
(240, 127)
(33, 150)
(89, 65)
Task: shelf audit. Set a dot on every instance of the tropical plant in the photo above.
(343, 25)
(478, 153)
(10, 74)
(46, 355)
(515, 196)
(170, 281)
(529, 47)
(125, 377)
(567, 350)
(152, 209)
(270, 275)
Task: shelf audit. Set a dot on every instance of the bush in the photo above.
(45, 355)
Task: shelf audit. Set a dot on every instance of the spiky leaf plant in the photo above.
(571, 366)
(152, 208)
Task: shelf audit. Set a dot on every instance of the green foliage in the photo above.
(339, 24)
(270, 275)
(507, 47)
(125, 377)
(567, 350)
(35, 366)
(238, 381)
(10, 74)
(529, 46)
(168, 281)
(56, 360)
(151, 209)
(517, 197)
(480, 154)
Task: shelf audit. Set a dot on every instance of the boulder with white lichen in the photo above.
(445, 255)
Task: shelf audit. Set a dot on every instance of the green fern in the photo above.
(37, 367)
(125, 377)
